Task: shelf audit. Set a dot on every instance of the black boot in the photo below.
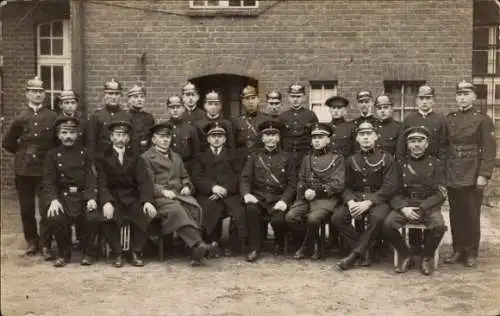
(348, 261)
(301, 252)
(455, 257)
(427, 266)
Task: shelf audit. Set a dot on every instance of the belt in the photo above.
(72, 189)
(365, 190)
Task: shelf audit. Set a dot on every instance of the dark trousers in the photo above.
(359, 243)
(256, 215)
(61, 224)
(465, 214)
(111, 231)
(28, 188)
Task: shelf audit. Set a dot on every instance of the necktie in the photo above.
(120, 157)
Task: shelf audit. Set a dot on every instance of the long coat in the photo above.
(126, 186)
(169, 173)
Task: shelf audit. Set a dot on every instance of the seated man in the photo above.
(371, 179)
(125, 192)
(70, 186)
(321, 181)
(215, 177)
(267, 183)
(419, 200)
(177, 209)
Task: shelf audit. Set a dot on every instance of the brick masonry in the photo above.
(358, 43)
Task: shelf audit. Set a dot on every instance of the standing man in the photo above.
(141, 120)
(190, 99)
(320, 184)
(418, 200)
(371, 181)
(343, 130)
(268, 184)
(68, 102)
(70, 191)
(274, 104)
(98, 132)
(125, 193)
(389, 128)
(29, 137)
(365, 106)
(247, 138)
(425, 116)
(469, 165)
(296, 140)
(185, 138)
(213, 108)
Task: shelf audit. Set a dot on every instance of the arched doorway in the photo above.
(228, 86)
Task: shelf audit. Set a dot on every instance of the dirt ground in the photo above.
(230, 286)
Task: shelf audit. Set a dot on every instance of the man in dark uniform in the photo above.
(125, 193)
(29, 137)
(469, 165)
(98, 132)
(268, 183)
(190, 99)
(365, 106)
(68, 102)
(247, 139)
(141, 120)
(213, 108)
(343, 130)
(296, 140)
(274, 104)
(425, 116)
(371, 180)
(178, 210)
(185, 137)
(320, 184)
(389, 128)
(215, 177)
(418, 200)
(70, 191)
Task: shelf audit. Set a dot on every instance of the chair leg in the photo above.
(322, 240)
(161, 248)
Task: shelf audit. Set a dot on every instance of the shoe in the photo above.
(136, 259)
(454, 258)
(59, 262)
(316, 253)
(427, 266)
(214, 251)
(118, 262)
(86, 261)
(300, 253)
(367, 259)
(253, 256)
(403, 264)
(47, 254)
(470, 262)
(199, 251)
(348, 261)
(32, 249)
(277, 249)
(228, 252)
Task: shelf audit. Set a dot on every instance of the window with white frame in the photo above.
(403, 94)
(54, 58)
(223, 4)
(319, 91)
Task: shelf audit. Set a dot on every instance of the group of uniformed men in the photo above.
(282, 167)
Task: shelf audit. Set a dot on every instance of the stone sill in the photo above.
(194, 12)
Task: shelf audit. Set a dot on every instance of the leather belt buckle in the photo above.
(73, 189)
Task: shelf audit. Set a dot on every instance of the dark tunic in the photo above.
(343, 136)
(191, 117)
(185, 141)
(203, 138)
(142, 123)
(388, 135)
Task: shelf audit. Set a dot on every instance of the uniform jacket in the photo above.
(388, 135)
(295, 136)
(210, 170)
(142, 123)
(82, 139)
(257, 180)
(436, 124)
(343, 136)
(471, 149)
(69, 177)
(185, 140)
(357, 121)
(203, 138)
(421, 184)
(371, 175)
(98, 133)
(322, 171)
(194, 116)
(29, 137)
(247, 137)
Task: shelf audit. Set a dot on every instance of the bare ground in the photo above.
(230, 286)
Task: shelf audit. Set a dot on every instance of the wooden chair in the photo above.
(404, 231)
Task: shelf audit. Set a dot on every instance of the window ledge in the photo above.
(206, 12)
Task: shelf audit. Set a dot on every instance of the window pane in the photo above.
(479, 62)
(328, 93)
(47, 102)
(393, 90)
(234, 3)
(57, 47)
(58, 78)
(45, 30)
(55, 105)
(199, 3)
(497, 93)
(316, 96)
(497, 55)
(397, 115)
(45, 76)
(45, 47)
(213, 2)
(322, 112)
(480, 38)
(57, 29)
(481, 92)
(410, 94)
(249, 3)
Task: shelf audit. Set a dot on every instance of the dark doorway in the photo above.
(229, 88)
